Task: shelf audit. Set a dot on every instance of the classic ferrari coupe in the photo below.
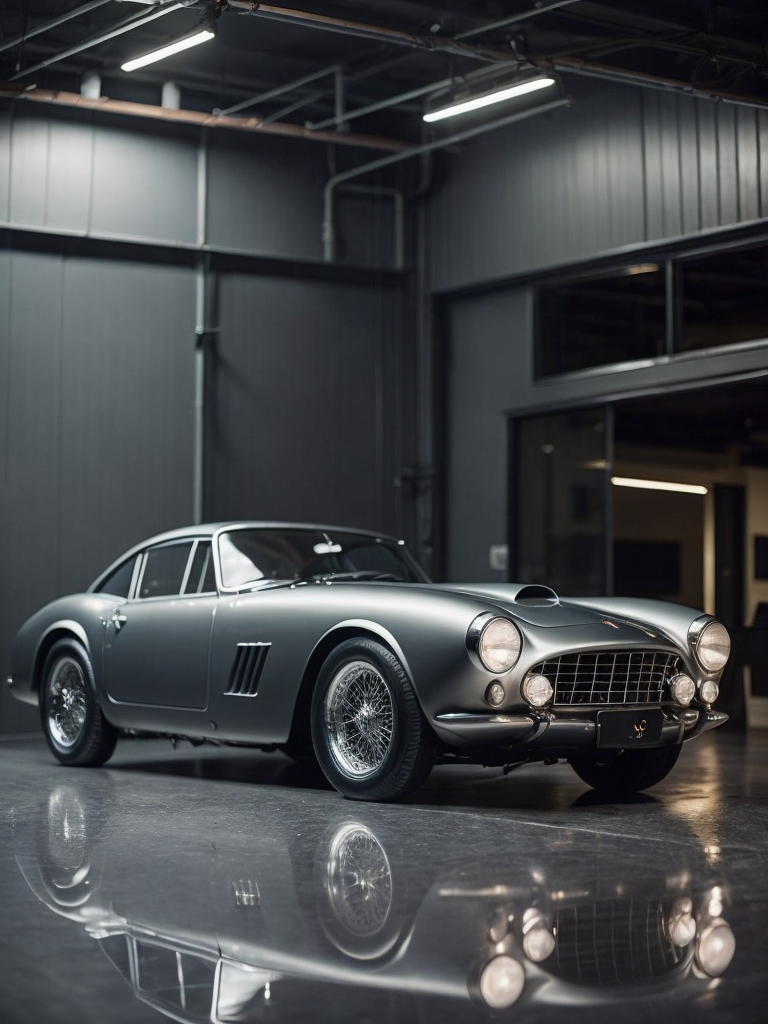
(330, 642)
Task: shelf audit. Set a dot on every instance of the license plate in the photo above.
(629, 729)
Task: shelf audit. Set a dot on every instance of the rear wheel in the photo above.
(624, 772)
(370, 736)
(75, 728)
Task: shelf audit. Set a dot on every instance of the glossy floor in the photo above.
(222, 885)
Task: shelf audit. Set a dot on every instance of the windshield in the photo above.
(256, 555)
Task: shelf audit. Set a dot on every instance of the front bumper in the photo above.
(558, 729)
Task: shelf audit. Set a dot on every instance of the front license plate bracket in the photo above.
(629, 729)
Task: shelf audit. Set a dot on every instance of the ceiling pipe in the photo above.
(54, 23)
(198, 118)
(329, 236)
(454, 45)
(103, 38)
(540, 8)
(591, 69)
(391, 35)
(281, 89)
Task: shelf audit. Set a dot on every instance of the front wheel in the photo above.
(369, 733)
(76, 730)
(625, 771)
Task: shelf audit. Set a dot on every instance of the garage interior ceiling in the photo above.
(320, 66)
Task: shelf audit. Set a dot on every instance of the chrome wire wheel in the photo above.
(67, 702)
(359, 718)
(359, 881)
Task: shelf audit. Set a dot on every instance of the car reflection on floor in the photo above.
(213, 924)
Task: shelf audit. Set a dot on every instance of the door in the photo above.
(561, 504)
(156, 644)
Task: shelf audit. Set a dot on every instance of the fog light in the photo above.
(682, 927)
(709, 691)
(537, 690)
(502, 982)
(495, 695)
(715, 948)
(538, 940)
(683, 688)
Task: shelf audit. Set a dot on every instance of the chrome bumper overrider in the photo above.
(553, 729)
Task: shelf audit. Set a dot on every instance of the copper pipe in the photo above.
(198, 118)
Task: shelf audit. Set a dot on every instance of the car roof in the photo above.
(202, 530)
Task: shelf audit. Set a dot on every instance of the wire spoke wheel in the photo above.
(74, 726)
(68, 702)
(369, 733)
(359, 717)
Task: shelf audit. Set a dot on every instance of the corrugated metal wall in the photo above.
(623, 167)
(99, 220)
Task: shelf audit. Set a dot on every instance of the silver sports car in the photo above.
(318, 640)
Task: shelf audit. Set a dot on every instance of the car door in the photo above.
(156, 643)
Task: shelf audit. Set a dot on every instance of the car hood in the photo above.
(539, 606)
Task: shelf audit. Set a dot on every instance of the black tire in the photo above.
(74, 726)
(387, 749)
(624, 772)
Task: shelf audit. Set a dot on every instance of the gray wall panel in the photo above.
(70, 175)
(266, 195)
(96, 428)
(486, 348)
(305, 421)
(145, 183)
(29, 166)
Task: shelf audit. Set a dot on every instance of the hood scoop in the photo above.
(536, 596)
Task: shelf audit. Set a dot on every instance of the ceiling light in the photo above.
(506, 92)
(167, 51)
(657, 485)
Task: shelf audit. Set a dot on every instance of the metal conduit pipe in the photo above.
(53, 23)
(329, 235)
(279, 90)
(103, 38)
(198, 118)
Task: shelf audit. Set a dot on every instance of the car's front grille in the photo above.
(614, 942)
(610, 677)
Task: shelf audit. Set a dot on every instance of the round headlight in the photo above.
(495, 695)
(683, 688)
(502, 982)
(498, 643)
(709, 691)
(539, 943)
(713, 645)
(537, 690)
(715, 948)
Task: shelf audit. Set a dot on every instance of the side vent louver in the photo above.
(246, 670)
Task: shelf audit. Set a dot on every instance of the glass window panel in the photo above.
(119, 582)
(561, 496)
(616, 317)
(201, 578)
(724, 298)
(164, 570)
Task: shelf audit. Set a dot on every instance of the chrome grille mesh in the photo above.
(610, 677)
(614, 942)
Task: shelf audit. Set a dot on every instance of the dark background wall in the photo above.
(316, 375)
(103, 227)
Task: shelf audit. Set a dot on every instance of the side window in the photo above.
(119, 581)
(164, 570)
(201, 578)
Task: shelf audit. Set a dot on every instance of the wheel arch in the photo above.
(349, 629)
(67, 629)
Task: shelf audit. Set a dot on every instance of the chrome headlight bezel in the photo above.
(703, 648)
(479, 637)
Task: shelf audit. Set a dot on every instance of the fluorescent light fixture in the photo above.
(484, 100)
(167, 51)
(657, 485)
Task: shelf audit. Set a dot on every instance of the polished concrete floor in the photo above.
(223, 886)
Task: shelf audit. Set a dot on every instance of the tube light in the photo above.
(657, 485)
(462, 106)
(167, 51)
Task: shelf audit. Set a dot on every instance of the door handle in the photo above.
(118, 619)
